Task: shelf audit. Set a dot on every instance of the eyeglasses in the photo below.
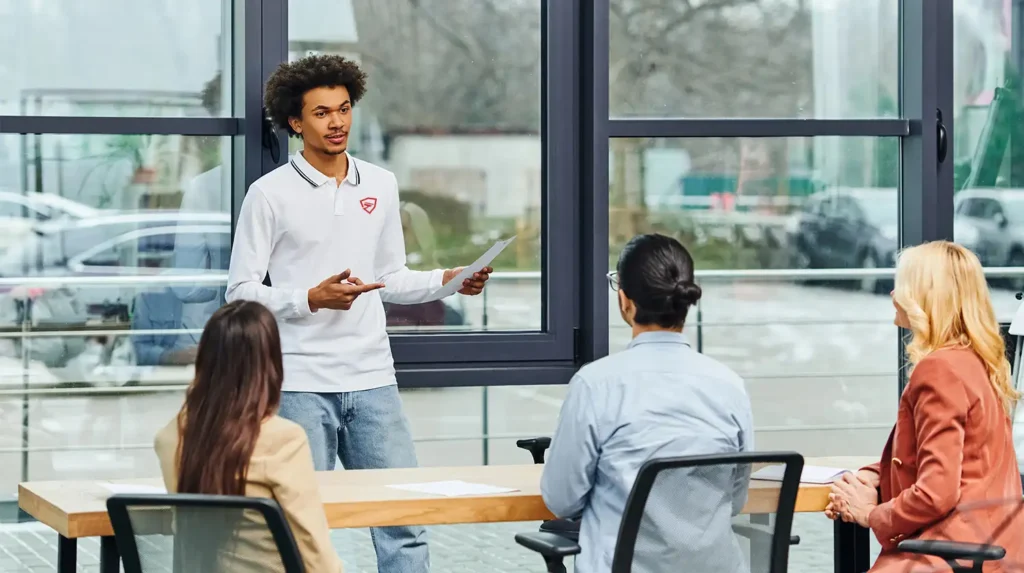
(613, 280)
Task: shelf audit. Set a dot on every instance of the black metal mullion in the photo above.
(926, 204)
(205, 126)
(274, 52)
(743, 127)
(560, 219)
(594, 131)
(466, 375)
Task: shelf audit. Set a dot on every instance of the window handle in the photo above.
(270, 140)
(942, 141)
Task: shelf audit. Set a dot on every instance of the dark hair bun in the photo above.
(656, 273)
(688, 292)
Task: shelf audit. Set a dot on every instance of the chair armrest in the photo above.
(548, 544)
(952, 550)
(567, 528)
(752, 530)
(536, 447)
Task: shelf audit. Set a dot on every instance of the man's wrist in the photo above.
(311, 300)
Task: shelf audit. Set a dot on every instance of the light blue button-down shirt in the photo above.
(658, 398)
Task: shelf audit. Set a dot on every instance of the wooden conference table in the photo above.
(361, 498)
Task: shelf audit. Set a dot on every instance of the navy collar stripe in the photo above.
(303, 175)
(352, 163)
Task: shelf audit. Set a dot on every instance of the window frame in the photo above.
(925, 97)
(477, 358)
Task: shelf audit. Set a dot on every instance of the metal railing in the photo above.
(27, 330)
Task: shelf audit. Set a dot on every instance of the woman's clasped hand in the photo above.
(853, 496)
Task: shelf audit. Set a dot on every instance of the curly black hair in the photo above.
(291, 80)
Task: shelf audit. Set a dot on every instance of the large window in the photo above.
(453, 108)
(988, 150)
(114, 57)
(795, 206)
(988, 208)
(720, 58)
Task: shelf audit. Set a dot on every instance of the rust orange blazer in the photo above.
(952, 445)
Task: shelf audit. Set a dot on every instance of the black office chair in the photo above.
(955, 553)
(568, 528)
(187, 533)
(686, 511)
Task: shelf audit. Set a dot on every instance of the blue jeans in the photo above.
(367, 430)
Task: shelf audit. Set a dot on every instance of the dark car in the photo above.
(847, 229)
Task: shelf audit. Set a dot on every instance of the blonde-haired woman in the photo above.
(952, 443)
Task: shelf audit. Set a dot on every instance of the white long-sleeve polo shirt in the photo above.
(301, 226)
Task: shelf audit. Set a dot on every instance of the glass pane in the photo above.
(799, 205)
(988, 150)
(446, 425)
(810, 59)
(516, 412)
(138, 229)
(115, 57)
(453, 109)
(455, 426)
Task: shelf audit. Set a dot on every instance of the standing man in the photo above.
(328, 214)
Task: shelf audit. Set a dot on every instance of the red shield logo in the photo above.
(368, 204)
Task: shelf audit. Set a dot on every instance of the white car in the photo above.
(20, 213)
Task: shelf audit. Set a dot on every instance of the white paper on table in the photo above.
(455, 285)
(1017, 325)
(453, 488)
(810, 474)
(132, 489)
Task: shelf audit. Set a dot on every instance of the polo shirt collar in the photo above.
(315, 179)
(659, 337)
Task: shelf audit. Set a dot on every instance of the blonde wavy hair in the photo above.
(941, 287)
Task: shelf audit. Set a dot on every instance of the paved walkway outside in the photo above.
(32, 548)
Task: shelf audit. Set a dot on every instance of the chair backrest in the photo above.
(684, 514)
(188, 533)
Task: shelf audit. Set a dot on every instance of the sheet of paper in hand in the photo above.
(455, 285)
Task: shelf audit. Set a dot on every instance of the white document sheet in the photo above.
(132, 489)
(1017, 324)
(455, 285)
(810, 474)
(453, 488)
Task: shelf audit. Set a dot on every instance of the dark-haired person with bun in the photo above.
(228, 440)
(658, 398)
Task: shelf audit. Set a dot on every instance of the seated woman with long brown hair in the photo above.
(228, 440)
(952, 446)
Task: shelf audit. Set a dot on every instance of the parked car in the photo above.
(990, 222)
(47, 250)
(847, 228)
(21, 212)
(146, 251)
